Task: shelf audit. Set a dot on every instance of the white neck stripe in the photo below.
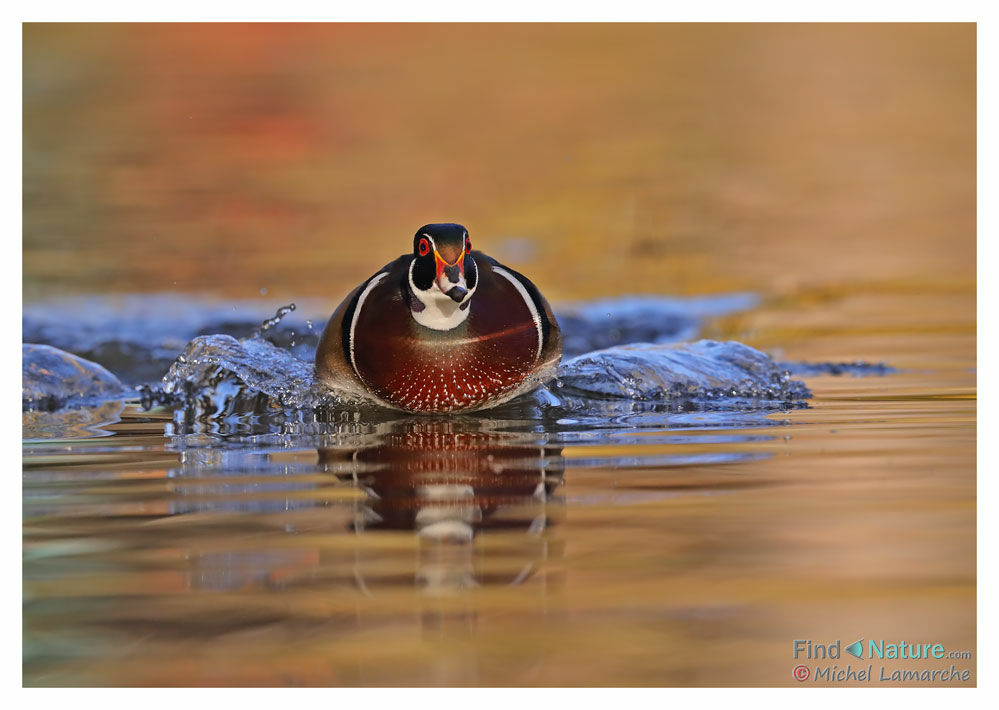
(357, 311)
(528, 300)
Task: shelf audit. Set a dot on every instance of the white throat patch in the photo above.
(440, 312)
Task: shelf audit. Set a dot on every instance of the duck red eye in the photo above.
(468, 246)
(424, 247)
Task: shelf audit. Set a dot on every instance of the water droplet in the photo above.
(271, 322)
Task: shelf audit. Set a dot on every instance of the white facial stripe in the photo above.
(527, 299)
(357, 311)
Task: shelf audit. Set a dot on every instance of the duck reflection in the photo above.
(450, 481)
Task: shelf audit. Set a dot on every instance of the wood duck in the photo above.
(444, 329)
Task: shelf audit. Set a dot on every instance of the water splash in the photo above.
(278, 317)
(226, 374)
(705, 371)
(219, 377)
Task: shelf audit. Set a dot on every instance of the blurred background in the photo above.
(599, 159)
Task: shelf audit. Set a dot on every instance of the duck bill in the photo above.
(451, 277)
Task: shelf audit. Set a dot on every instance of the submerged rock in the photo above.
(52, 378)
(702, 371)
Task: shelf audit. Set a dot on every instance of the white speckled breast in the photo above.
(445, 378)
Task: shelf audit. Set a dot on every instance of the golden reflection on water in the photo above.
(829, 169)
(361, 564)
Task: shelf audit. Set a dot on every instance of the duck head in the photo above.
(442, 275)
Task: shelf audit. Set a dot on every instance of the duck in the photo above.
(444, 329)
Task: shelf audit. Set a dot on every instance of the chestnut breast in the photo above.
(420, 369)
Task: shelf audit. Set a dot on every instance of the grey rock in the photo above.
(52, 379)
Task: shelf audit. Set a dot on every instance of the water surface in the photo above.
(624, 542)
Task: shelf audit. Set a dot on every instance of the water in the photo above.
(185, 543)
(806, 192)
